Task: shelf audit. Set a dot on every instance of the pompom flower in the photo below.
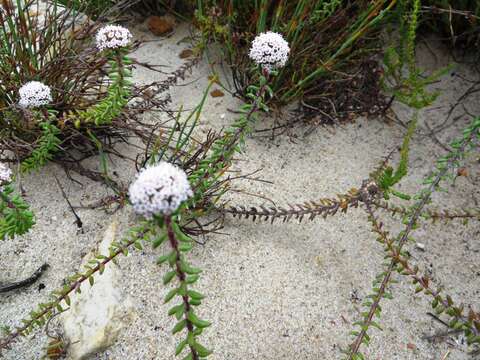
(5, 174)
(269, 50)
(34, 94)
(113, 37)
(159, 190)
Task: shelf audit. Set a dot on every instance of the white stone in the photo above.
(420, 246)
(100, 312)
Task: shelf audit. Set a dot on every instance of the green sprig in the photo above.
(398, 257)
(15, 215)
(48, 144)
(186, 275)
(118, 92)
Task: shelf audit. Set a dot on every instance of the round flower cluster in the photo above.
(34, 94)
(113, 37)
(5, 174)
(159, 190)
(269, 50)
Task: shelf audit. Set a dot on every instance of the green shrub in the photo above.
(325, 37)
(89, 87)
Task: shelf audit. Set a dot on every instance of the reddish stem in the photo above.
(181, 277)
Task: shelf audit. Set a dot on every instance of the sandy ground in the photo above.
(282, 291)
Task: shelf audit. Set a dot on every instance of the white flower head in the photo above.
(113, 37)
(34, 94)
(269, 50)
(5, 174)
(159, 190)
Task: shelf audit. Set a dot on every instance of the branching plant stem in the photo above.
(323, 207)
(227, 146)
(443, 215)
(413, 216)
(421, 281)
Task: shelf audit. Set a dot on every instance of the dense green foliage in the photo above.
(48, 145)
(118, 93)
(15, 216)
(90, 88)
(324, 36)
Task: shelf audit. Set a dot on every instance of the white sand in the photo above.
(279, 291)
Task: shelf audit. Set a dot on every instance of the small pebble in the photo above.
(420, 246)
(161, 25)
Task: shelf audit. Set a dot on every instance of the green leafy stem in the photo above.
(48, 144)
(118, 92)
(471, 326)
(430, 214)
(15, 215)
(186, 275)
(213, 167)
(470, 323)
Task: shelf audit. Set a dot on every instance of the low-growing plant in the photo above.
(66, 85)
(183, 9)
(182, 180)
(169, 199)
(112, 8)
(15, 215)
(412, 90)
(330, 41)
